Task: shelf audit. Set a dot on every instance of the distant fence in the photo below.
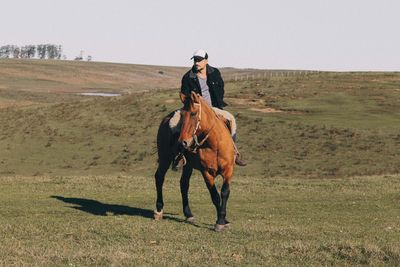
(266, 75)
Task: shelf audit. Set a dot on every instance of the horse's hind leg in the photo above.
(159, 179)
(185, 179)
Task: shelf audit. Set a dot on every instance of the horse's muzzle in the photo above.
(187, 143)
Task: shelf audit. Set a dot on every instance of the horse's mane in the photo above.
(204, 104)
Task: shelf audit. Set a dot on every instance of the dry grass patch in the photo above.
(266, 110)
(12, 103)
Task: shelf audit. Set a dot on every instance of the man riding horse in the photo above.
(207, 82)
(200, 136)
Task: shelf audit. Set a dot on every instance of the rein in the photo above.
(198, 144)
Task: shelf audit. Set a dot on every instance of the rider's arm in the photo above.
(185, 89)
(222, 89)
(222, 86)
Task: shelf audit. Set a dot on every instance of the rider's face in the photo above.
(200, 65)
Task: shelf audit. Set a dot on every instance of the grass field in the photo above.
(106, 220)
(76, 172)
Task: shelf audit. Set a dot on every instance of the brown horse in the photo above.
(208, 148)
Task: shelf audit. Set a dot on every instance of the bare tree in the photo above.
(5, 51)
(31, 51)
(16, 51)
(51, 51)
(59, 50)
(41, 50)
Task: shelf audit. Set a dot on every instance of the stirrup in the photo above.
(179, 162)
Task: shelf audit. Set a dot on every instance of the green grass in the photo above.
(105, 220)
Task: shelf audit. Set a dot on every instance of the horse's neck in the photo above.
(208, 113)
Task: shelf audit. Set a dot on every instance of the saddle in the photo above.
(226, 122)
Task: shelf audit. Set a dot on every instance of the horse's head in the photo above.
(191, 118)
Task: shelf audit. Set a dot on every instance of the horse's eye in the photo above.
(193, 113)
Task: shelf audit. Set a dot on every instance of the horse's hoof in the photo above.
(219, 227)
(190, 220)
(158, 215)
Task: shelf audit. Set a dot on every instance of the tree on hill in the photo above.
(27, 51)
(5, 51)
(53, 51)
(16, 51)
(31, 51)
(59, 52)
(41, 50)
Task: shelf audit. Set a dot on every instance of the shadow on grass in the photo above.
(102, 209)
(180, 220)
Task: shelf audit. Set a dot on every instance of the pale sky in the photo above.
(343, 35)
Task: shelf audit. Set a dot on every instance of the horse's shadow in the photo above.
(102, 209)
(98, 208)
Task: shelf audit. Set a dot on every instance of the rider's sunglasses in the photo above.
(198, 59)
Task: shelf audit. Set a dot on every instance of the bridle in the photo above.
(198, 144)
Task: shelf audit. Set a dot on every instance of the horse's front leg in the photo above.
(225, 191)
(185, 181)
(209, 178)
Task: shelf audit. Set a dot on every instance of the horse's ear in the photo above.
(183, 97)
(195, 97)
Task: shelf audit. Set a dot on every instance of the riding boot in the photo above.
(238, 159)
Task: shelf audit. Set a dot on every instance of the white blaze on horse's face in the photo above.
(186, 137)
(190, 123)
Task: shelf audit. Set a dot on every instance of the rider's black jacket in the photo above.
(190, 83)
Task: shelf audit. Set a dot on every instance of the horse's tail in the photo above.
(165, 138)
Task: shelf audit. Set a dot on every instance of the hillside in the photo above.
(77, 76)
(319, 125)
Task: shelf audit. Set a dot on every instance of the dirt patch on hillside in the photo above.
(246, 101)
(14, 103)
(266, 110)
(253, 104)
